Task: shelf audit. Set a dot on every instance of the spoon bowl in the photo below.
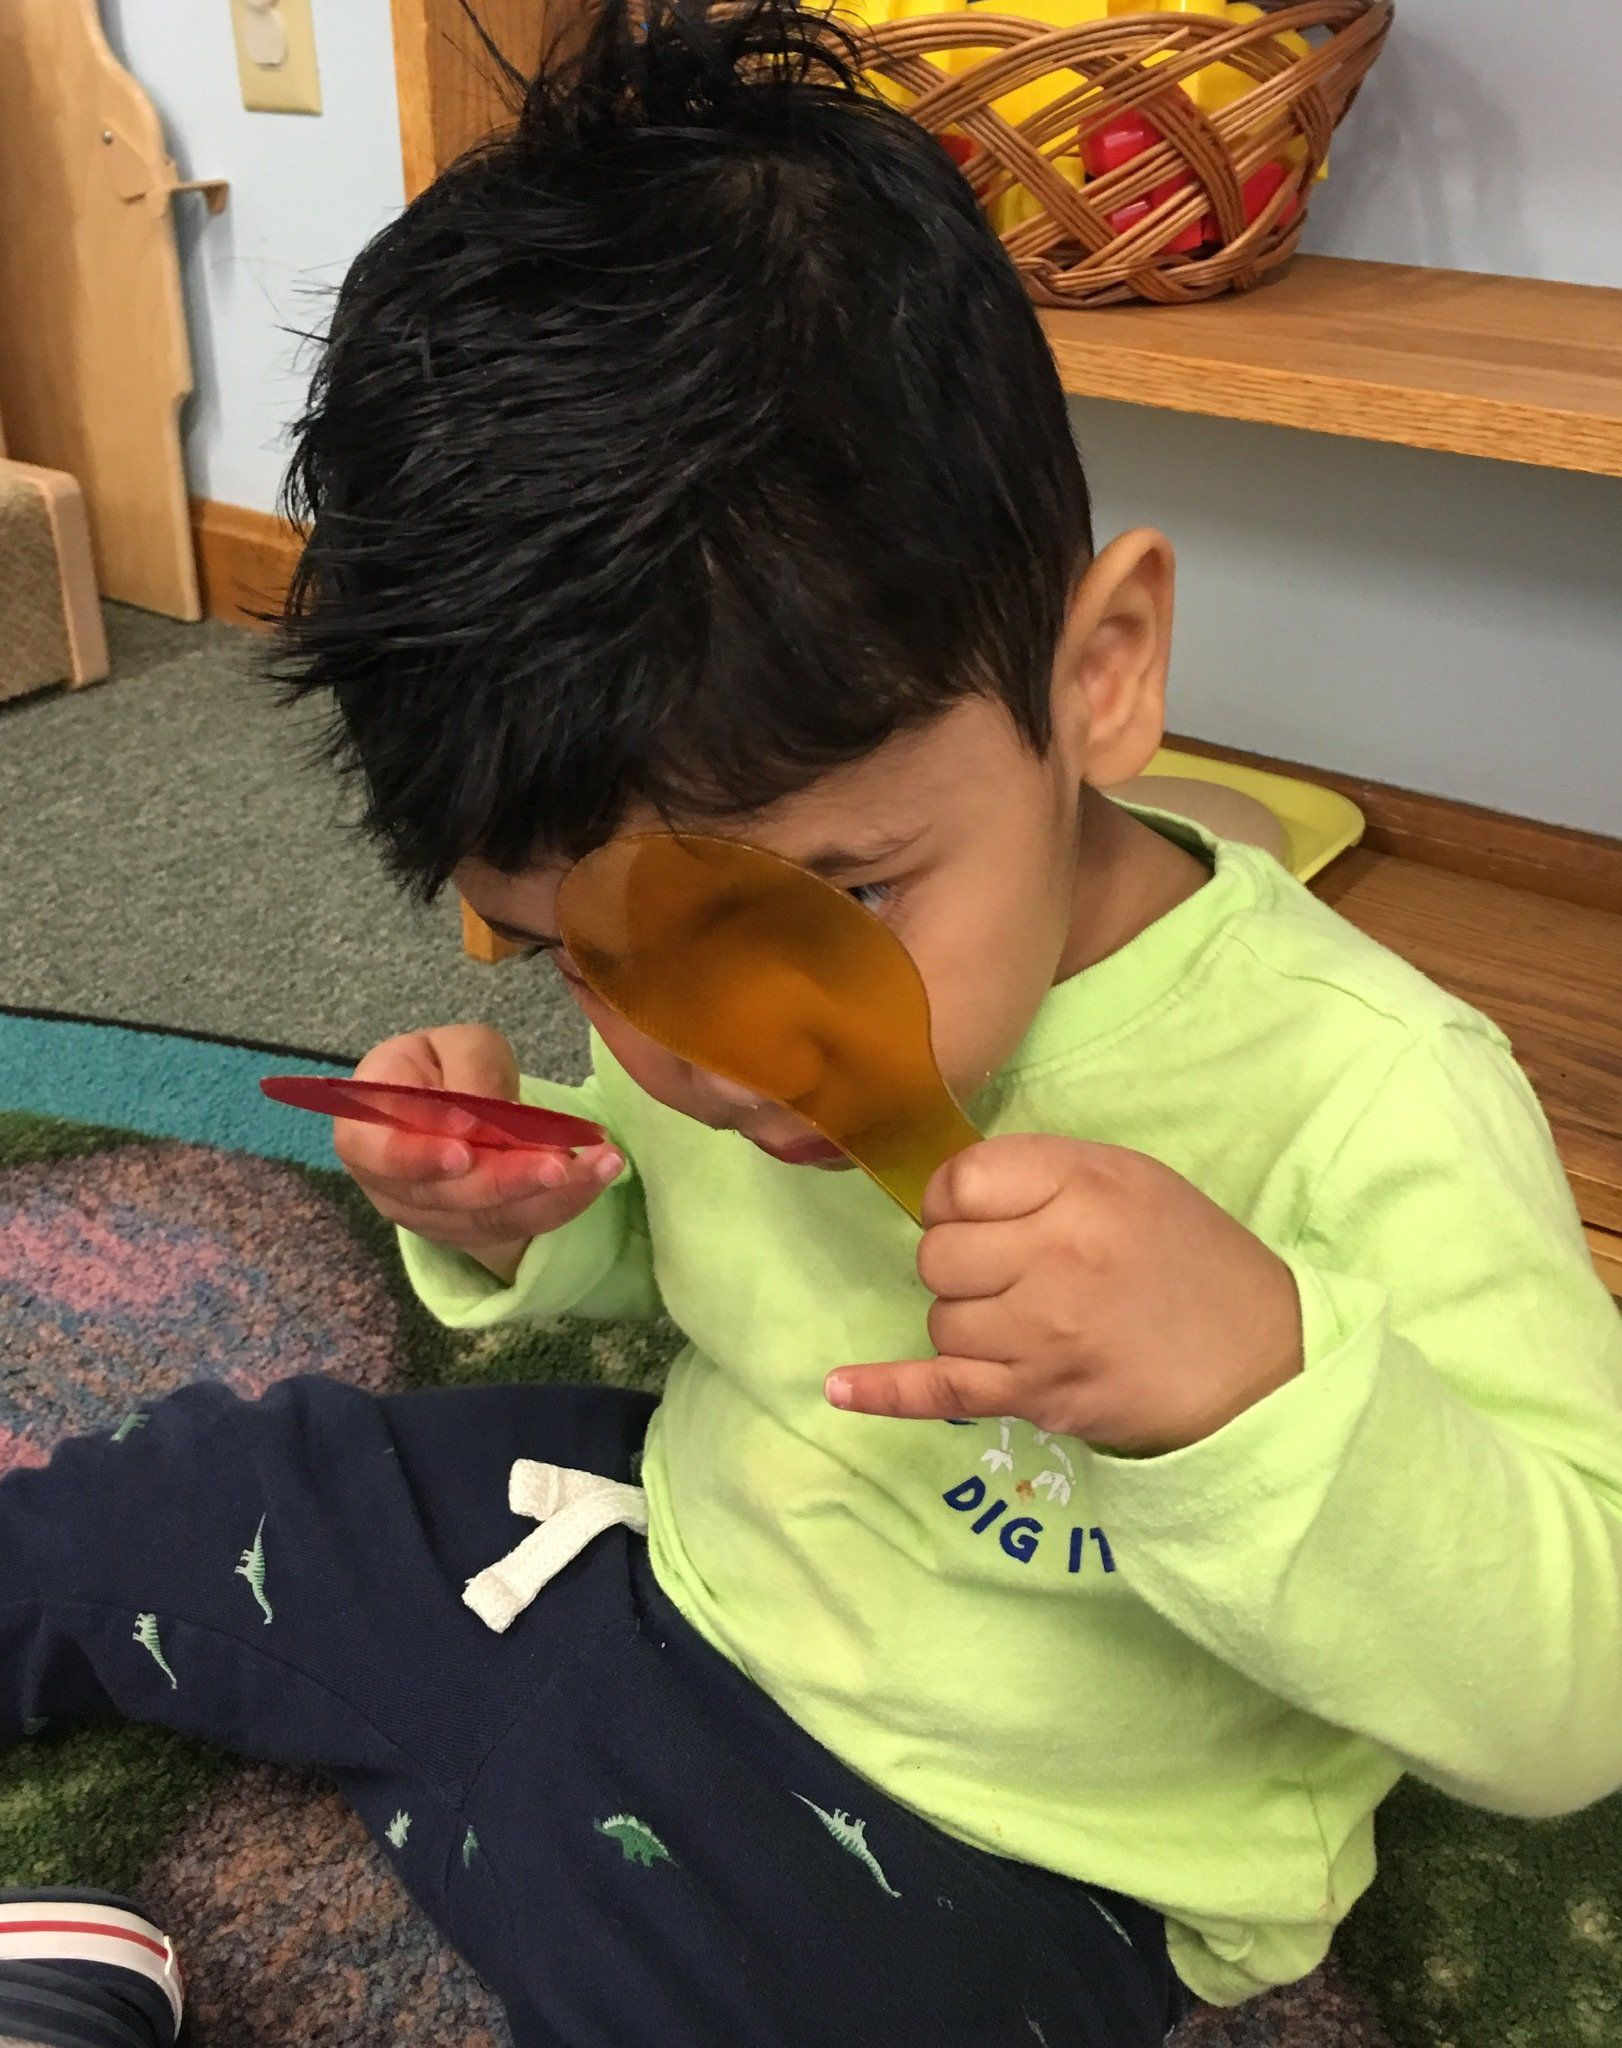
(754, 969)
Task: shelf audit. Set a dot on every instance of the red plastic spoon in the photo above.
(485, 1120)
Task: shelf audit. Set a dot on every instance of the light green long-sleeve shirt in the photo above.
(1189, 1677)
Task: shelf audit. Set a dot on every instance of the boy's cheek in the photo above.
(978, 1021)
(654, 1070)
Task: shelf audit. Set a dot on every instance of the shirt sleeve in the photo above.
(1419, 1538)
(600, 1265)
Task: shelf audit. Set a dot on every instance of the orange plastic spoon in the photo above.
(754, 969)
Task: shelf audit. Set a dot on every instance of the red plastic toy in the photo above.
(1128, 136)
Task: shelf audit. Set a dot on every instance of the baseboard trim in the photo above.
(245, 561)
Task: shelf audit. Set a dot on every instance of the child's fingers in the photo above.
(475, 1060)
(600, 1165)
(503, 1194)
(1001, 1179)
(935, 1389)
(972, 1261)
(507, 1180)
(514, 1222)
(549, 1208)
(398, 1161)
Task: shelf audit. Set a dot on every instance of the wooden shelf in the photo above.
(1548, 972)
(1509, 367)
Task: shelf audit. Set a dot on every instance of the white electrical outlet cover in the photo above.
(263, 36)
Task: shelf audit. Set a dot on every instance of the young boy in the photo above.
(1030, 1618)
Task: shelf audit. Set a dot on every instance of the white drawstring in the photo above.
(572, 1507)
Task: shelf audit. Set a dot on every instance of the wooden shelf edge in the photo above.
(1456, 424)
(1548, 973)
(1596, 1185)
(1606, 1247)
(1511, 369)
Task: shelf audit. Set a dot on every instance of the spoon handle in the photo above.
(906, 1158)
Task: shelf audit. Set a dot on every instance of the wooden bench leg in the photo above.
(479, 942)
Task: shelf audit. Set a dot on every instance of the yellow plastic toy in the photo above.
(1318, 823)
(1017, 106)
(875, 13)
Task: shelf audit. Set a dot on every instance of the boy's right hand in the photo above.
(486, 1203)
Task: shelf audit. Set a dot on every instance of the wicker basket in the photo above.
(1205, 200)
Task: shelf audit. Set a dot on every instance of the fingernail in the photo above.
(610, 1168)
(551, 1172)
(457, 1159)
(838, 1389)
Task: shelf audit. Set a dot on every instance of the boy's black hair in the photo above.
(686, 442)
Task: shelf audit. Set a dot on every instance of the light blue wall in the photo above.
(1449, 624)
(306, 192)
(1430, 620)
(1488, 137)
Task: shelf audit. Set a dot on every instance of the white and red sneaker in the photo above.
(85, 1969)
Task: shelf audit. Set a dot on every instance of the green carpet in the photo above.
(1482, 1932)
(168, 859)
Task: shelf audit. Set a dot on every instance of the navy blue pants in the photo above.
(631, 1843)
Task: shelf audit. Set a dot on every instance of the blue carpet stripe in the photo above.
(164, 1083)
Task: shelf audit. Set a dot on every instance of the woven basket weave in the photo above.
(1195, 174)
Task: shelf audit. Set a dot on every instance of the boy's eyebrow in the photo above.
(836, 859)
(825, 861)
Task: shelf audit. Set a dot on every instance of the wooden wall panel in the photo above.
(450, 93)
(94, 359)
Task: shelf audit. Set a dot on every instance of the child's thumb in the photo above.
(476, 1059)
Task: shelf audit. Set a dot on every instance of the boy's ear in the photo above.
(1109, 676)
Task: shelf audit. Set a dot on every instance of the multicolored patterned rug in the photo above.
(131, 1263)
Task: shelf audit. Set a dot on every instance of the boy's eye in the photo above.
(872, 895)
(558, 957)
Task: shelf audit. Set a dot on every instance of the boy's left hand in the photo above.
(1091, 1291)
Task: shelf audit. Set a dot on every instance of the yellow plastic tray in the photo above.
(1318, 823)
